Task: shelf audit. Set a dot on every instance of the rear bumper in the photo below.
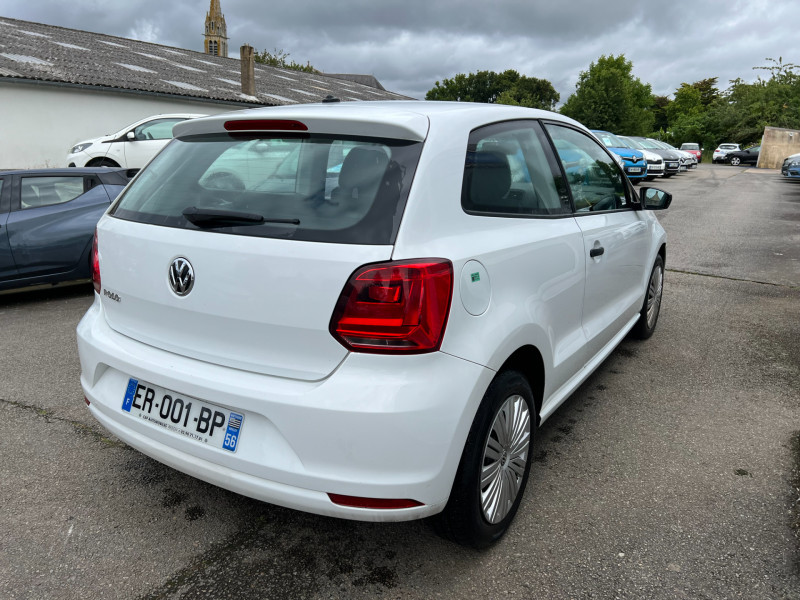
(377, 427)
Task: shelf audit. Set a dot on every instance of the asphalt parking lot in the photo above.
(671, 473)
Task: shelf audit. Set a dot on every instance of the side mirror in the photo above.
(130, 135)
(654, 198)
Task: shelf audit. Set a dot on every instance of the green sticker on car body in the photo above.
(475, 277)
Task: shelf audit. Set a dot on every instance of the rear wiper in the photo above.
(209, 217)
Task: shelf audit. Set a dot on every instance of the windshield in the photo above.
(609, 139)
(649, 144)
(305, 187)
(690, 147)
(629, 143)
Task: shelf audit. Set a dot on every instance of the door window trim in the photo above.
(630, 193)
(560, 184)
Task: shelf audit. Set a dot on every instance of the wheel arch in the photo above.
(528, 361)
(102, 161)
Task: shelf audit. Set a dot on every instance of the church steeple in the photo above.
(216, 34)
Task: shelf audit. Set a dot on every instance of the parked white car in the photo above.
(131, 147)
(364, 310)
(722, 150)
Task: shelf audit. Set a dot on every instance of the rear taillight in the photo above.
(396, 307)
(95, 265)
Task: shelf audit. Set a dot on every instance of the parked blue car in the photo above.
(47, 222)
(633, 160)
(791, 167)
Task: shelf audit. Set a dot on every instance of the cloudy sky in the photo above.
(409, 45)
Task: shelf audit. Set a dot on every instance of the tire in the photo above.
(736, 161)
(648, 316)
(474, 515)
(102, 162)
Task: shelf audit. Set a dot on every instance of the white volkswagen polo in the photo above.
(365, 310)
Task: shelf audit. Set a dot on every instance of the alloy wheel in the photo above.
(654, 292)
(504, 458)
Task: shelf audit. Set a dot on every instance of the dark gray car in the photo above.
(47, 222)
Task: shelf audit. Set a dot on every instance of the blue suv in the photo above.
(634, 162)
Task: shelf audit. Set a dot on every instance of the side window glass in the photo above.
(594, 179)
(160, 129)
(507, 172)
(47, 191)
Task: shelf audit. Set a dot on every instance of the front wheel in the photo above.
(648, 316)
(494, 466)
(102, 162)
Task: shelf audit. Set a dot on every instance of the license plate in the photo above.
(635, 170)
(197, 420)
(672, 165)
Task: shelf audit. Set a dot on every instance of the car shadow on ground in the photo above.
(47, 293)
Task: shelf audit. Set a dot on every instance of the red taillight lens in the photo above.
(95, 265)
(396, 307)
(384, 503)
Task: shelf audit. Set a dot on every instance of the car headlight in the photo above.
(80, 148)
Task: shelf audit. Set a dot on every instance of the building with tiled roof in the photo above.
(59, 86)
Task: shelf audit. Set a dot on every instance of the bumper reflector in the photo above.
(382, 503)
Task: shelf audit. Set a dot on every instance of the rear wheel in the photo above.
(648, 316)
(494, 466)
(736, 161)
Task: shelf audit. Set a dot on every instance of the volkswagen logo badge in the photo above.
(181, 276)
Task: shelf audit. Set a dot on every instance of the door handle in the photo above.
(596, 251)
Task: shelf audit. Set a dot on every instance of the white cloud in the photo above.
(146, 31)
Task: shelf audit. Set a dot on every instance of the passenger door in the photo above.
(8, 269)
(149, 139)
(52, 222)
(615, 236)
(530, 247)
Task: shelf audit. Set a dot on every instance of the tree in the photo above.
(689, 113)
(508, 87)
(659, 107)
(608, 96)
(279, 58)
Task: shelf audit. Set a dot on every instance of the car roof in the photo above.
(401, 119)
(69, 171)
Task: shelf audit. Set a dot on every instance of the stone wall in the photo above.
(776, 145)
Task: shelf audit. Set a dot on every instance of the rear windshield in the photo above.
(306, 187)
